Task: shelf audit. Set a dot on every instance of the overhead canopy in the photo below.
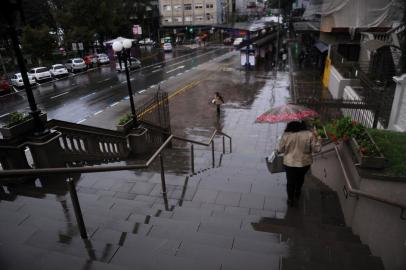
(355, 13)
(110, 42)
(373, 45)
(264, 41)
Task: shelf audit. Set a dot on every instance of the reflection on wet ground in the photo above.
(206, 219)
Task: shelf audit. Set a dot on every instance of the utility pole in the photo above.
(277, 35)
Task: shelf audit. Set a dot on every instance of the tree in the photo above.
(38, 42)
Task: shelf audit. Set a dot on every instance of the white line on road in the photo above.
(87, 95)
(179, 74)
(151, 86)
(126, 98)
(156, 70)
(123, 82)
(105, 80)
(96, 113)
(1, 116)
(180, 67)
(60, 95)
(114, 104)
(142, 91)
(81, 121)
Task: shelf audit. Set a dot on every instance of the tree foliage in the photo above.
(38, 42)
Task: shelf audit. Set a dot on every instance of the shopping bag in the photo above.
(275, 162)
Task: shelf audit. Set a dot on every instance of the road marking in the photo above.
(142, 91)
(60, 95)
(1, 116)
(87, 95)
(105, 80)
(114, 104)
(179, 74)
(126, 98)
(156, 70)
(180, 67)
(123, 82)
(152, 86)
(96, 113)
(81, 121)
(158, 67)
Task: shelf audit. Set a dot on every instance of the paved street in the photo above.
(78, 97)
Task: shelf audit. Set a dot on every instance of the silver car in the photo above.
(17, 80)
(102, 59)
(133, 64)
(75, 64)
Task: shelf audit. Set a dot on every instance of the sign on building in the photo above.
(80, 46)
(74, 46)
(137, 30)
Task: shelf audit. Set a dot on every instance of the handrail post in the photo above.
(212, 153)
(224, 145)
(192, 157)
(76, 208)
(231, 145)
(161, 160)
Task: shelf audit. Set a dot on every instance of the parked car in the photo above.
(40, 74)
(102, 59)
(146, 41)
(228, 41)
(237, 42)
(5, 87)
(90, 61)
(133, 64)
(75, 64)
(17, 80)
(58, 70)
(167, 47)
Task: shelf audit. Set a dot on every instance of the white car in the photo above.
(146, 41)
(40, 74)
(237, 42)
(58, 70)
(167, 47)
(17, 80)
(133, 64)
(75, 64)
(102, 58)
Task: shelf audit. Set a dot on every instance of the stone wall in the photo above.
(378, 224)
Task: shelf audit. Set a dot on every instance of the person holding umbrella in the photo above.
(297, 144)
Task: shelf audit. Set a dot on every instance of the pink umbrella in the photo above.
(286, 113)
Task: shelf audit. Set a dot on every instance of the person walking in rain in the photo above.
(297, 144)
(218, 100)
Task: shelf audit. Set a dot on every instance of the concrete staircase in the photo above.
(230, 217)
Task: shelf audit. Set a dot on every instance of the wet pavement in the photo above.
(233, 216)
(78, 97)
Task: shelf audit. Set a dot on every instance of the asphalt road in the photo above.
(76, 97)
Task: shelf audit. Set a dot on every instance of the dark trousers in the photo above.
(295, 179)
(218, 110)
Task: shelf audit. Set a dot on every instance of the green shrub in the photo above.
(16, 118)
(126, 118)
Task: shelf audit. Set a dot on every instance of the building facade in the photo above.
(176, 13)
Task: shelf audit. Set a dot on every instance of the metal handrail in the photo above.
(351, 190)
(71, 184)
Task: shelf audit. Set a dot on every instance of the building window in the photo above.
(178, 19)
(188, 19)
(177, 7)
(209, 5)
(167, 7)
(209, 16)
(168, 19)
(199, 18)
(198, 6)
(187, 6)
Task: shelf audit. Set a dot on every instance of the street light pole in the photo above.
(122, 48)
(9, 9)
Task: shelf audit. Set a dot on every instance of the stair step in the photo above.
(229, 259)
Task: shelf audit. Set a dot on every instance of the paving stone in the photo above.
(141, 188)
(252, 200)
(228, 198)
(205, 195)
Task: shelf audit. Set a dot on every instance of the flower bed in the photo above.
(365, 150)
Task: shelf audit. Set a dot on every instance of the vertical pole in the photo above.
(212, 153)
(277, 39)
(224, 145)
(192, 157)
(76, 208)
(231, 145)
(130, 92)
(161, 160)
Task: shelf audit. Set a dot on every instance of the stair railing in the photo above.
(76, 170)
(349, 190)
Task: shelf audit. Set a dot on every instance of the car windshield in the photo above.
(77, 61)
(59, 67)
(41, 70)
(102, 55)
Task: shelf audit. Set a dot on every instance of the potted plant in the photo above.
(125, 123)
(365, 150)
(19, 124)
